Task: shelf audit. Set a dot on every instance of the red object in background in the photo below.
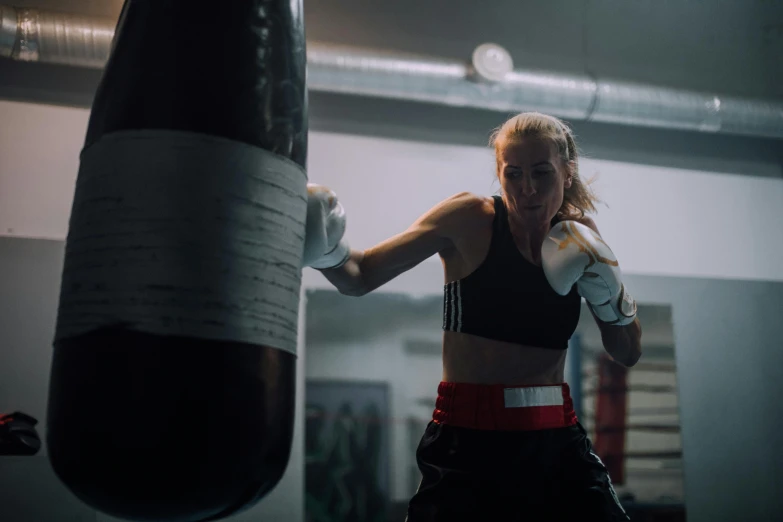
(611, 410)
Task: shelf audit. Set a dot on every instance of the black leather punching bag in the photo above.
(173, 378)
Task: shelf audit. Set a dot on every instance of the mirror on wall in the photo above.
(373, 365)
(632, 414)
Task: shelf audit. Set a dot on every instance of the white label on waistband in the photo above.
(533, 396)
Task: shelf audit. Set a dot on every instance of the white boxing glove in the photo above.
(573, 253)
(324, 246)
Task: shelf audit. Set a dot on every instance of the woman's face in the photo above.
(533, 177)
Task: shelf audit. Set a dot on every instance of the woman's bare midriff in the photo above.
(472, 359)
(469, 358)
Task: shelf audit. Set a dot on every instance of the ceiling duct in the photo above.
(486, 81)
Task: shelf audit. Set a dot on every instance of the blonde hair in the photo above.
(578, 199)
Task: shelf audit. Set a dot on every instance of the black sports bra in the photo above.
(508, 298)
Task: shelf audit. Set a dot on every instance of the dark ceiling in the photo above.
(724, 46)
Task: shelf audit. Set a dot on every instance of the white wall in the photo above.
(660, 221)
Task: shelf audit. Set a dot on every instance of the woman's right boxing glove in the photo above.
(324, 246)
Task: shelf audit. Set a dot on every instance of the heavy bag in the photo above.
(173, 376)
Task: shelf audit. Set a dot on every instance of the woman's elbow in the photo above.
(629, 360)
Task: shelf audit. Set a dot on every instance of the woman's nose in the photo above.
(528, 186)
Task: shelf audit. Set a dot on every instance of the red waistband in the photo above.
(504, 408)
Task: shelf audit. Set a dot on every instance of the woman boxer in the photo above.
(504, 442)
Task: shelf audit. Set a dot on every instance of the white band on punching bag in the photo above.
(176, 233)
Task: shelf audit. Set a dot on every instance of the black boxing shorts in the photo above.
(510, 453)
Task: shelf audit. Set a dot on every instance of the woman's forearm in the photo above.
(347, 279)
(623, 343)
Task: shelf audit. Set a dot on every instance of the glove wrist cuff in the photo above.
(620, 310)
(334, 259)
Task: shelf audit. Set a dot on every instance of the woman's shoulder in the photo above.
(459, 215)
(470, 206)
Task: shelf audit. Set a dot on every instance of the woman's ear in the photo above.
(570, 170)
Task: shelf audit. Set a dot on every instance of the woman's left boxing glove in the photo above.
(573, 253)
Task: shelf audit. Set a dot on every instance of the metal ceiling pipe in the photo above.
(34, 35)
(487, 81)
(579, 97)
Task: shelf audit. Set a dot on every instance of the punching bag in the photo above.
(173, 376)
